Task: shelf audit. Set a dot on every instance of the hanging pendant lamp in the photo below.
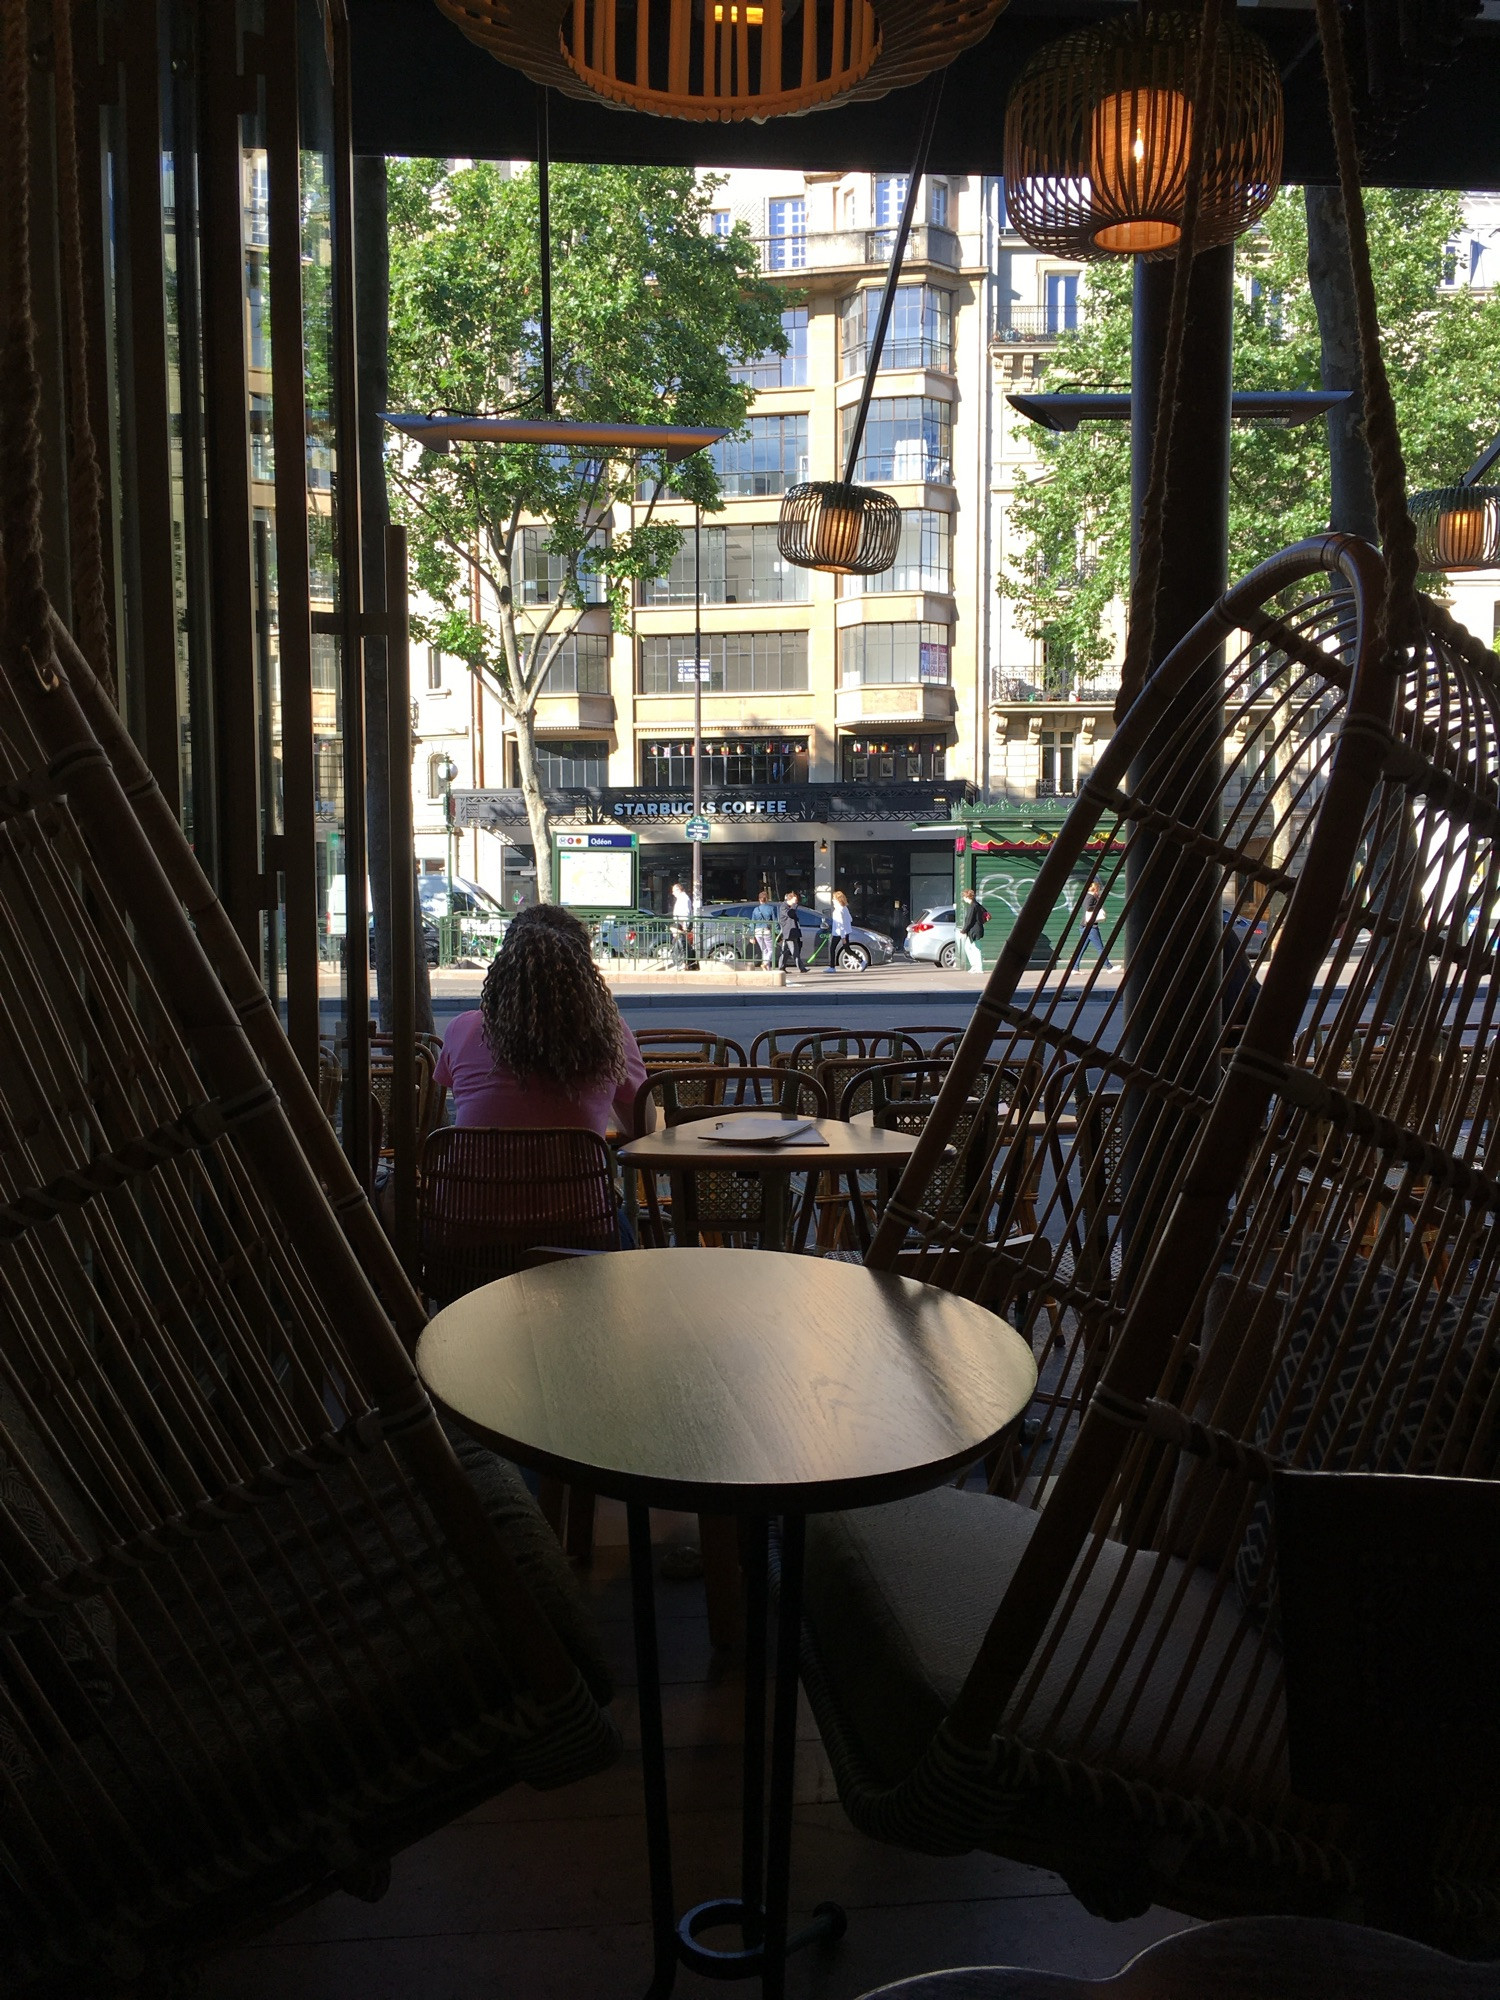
(833, 524)
(1458, 527)
(725, 59)
(1100, 125)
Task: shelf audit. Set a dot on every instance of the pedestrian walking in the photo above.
(789, 917)
(763, 924)
(682, 922)
(1090, 910)
(842, 919)
(972, 921)
(898, 926)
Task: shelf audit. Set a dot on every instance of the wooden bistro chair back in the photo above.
(1281, 1256)
(679, 1048)
(265, 1624)
(713, 1204)
(489, 1196)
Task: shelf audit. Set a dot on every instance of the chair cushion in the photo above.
(899, 1598)
(1374, 1376)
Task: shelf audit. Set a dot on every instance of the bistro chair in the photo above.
(772, 1046)
(713, 1204)
(429, 1099)
(1085, 1672)
(1246, 1958)
(677, 1048)
(489, 1195)
(330, 1080)
(267, 1625)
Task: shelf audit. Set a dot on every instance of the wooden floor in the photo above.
(543, 1896)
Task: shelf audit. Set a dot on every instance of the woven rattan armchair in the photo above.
(1293, 1256)
(488, 1196)
(722, 1206)
(266, 1625)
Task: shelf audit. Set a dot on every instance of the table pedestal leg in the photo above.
(653, 1756)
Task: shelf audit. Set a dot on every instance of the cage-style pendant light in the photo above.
(833, 524)
(1458, 527)
(725, 59)
(1100, 125)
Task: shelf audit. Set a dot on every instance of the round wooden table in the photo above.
(840, 1148)
(730, 1381)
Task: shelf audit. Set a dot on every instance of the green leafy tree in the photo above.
(1071, 521)
(651, 314)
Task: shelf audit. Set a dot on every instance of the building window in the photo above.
(920, 334)
(765, 461)
(1059, 661)
(437, 774)
(564, 766)
(923, 559)
(741, 565)
(907, 439)
(894, 656)
(738, 662)
(937, 204)
(780, 371)
(1059, 769)
(893, 760)
(734, 760)
(581, 666)
(719, 221)
(787, 231)
(544, 576)
(434, 669)
(1062, 301)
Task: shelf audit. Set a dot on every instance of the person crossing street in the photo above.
(972, 921)
(789, 919)
(842, 918)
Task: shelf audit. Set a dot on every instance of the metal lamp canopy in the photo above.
(725, 59)
(833, 525)
(1100, 125)
(437, 433)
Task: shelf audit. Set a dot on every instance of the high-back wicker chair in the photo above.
(488, 1196)
(1293, 1244)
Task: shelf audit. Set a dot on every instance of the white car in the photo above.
(934, 936)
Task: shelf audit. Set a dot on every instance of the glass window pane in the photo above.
(738, 662)
(907, 439)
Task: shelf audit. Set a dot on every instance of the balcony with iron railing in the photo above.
(1034, 326)
(856, 250)
(1009, 688)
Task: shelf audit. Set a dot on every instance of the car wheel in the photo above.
(724, 954)
(948, 957)
(854, 958)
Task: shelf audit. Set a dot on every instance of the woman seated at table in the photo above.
(546, 1045)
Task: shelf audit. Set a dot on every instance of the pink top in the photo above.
(486, 1093)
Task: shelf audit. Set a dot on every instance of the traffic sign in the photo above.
(697, 828)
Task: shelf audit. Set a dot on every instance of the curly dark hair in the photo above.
(546, 1011)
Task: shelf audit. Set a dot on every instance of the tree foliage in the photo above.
(650, 315)
(1071, 522)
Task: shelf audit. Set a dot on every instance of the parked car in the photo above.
(862, 949)
(934, 936)
(483, 918)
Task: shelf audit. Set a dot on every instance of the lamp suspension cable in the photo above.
(544, 232)
(893, 275)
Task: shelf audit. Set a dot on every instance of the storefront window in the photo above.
(892, 760)
(562, 765)
(754, 760)
(737, 662)
(895, 656)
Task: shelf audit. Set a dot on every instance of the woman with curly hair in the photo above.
(546, 1045)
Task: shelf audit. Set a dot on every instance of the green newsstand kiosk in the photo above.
(998, 850)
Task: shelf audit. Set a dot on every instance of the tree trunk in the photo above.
(372, 310)
(1332, 283)
(536, 805)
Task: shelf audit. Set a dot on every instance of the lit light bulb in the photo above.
(1139, 141)
(754, 16)
(1462, 536)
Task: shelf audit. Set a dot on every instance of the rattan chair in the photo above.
(1291, 1260)
(488, 1196)
(1253, 1958)
(719, 1205)
(679, 1048)
(266, 1624)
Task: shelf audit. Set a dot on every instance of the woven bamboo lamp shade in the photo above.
(1458, 527)
(1100, 126)
(724, 59)
(847, 530)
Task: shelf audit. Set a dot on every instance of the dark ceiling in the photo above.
(420, 88)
